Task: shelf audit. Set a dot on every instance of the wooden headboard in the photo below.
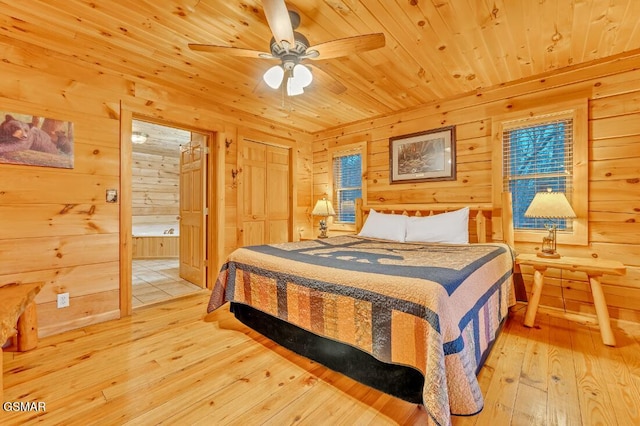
(483, 217)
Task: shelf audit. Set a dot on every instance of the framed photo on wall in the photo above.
(423, 156)
(34, 140)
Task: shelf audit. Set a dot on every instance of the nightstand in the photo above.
(594, 268)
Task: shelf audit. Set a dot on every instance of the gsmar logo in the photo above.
(24, 406)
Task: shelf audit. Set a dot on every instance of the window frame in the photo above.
(577, 110)
(339, 151)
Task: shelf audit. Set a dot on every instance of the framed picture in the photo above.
(33, 140)
(423, 156)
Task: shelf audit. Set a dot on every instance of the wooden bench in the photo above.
(18, 318)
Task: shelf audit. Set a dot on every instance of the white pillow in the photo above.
(451, 227)
(385, 226)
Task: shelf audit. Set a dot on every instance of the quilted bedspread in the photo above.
(434, 307)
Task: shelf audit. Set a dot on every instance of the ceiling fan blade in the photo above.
(347, 46)
(232, 51)
(279, 21)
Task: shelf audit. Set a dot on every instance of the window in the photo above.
(347, 186)
(346, 182)
(537, 157)
(541, 151)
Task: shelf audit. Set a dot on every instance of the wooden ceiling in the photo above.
(435, 49)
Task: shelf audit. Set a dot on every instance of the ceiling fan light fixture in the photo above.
(273, 76)
(139, 137)
(301, 75)
(294, 88)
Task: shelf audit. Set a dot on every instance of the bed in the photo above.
(415, 319)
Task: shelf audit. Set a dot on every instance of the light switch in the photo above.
(112, 195)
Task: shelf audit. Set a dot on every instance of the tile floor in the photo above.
(157, 280)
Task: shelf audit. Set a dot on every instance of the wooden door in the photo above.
(265, 213)
(254, 176)
(193, 213)
(277, 190)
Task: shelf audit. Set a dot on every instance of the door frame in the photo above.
(214, 202)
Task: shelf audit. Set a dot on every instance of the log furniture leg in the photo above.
(601, 310)
(18, 319)
(532, 307)
(27, 337)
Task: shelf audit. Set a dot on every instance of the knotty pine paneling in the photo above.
(55, 224)
(37, 220)
(84, 309)
(613, 91)
(155, 185)
(231, 191)
(80, 280)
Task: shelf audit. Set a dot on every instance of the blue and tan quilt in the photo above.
(435, 307)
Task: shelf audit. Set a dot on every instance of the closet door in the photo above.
(264, 194)
(253, 194)
(277, 189)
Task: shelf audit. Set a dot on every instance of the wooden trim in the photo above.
(217, 205)
(578, 109)
(239, 190)
(293, 192)
(125, 199)
(506, 218)
(215, 200)
(360, 147)
(212, 231)
(61, 327)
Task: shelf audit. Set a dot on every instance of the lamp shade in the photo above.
(302, 75)
(549, 205)
(273, 76)
(293, 88)
(323, 208)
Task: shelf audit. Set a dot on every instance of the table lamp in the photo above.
(550, 205)
(323, 209)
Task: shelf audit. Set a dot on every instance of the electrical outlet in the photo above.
(63, 300)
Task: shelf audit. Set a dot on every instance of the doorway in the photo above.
(168, 210)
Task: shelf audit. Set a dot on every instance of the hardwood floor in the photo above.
(172, 364)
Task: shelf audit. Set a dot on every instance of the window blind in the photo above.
(535, 158)
(347, 185)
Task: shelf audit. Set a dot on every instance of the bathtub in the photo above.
(157, 240)
(156, 230)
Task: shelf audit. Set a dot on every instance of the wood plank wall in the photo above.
(155, 198)
(155, 185)
(55, 225)
(613, 90)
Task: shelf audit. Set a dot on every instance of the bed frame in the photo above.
(400, 381)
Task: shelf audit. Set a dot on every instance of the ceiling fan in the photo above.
(291, 48)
